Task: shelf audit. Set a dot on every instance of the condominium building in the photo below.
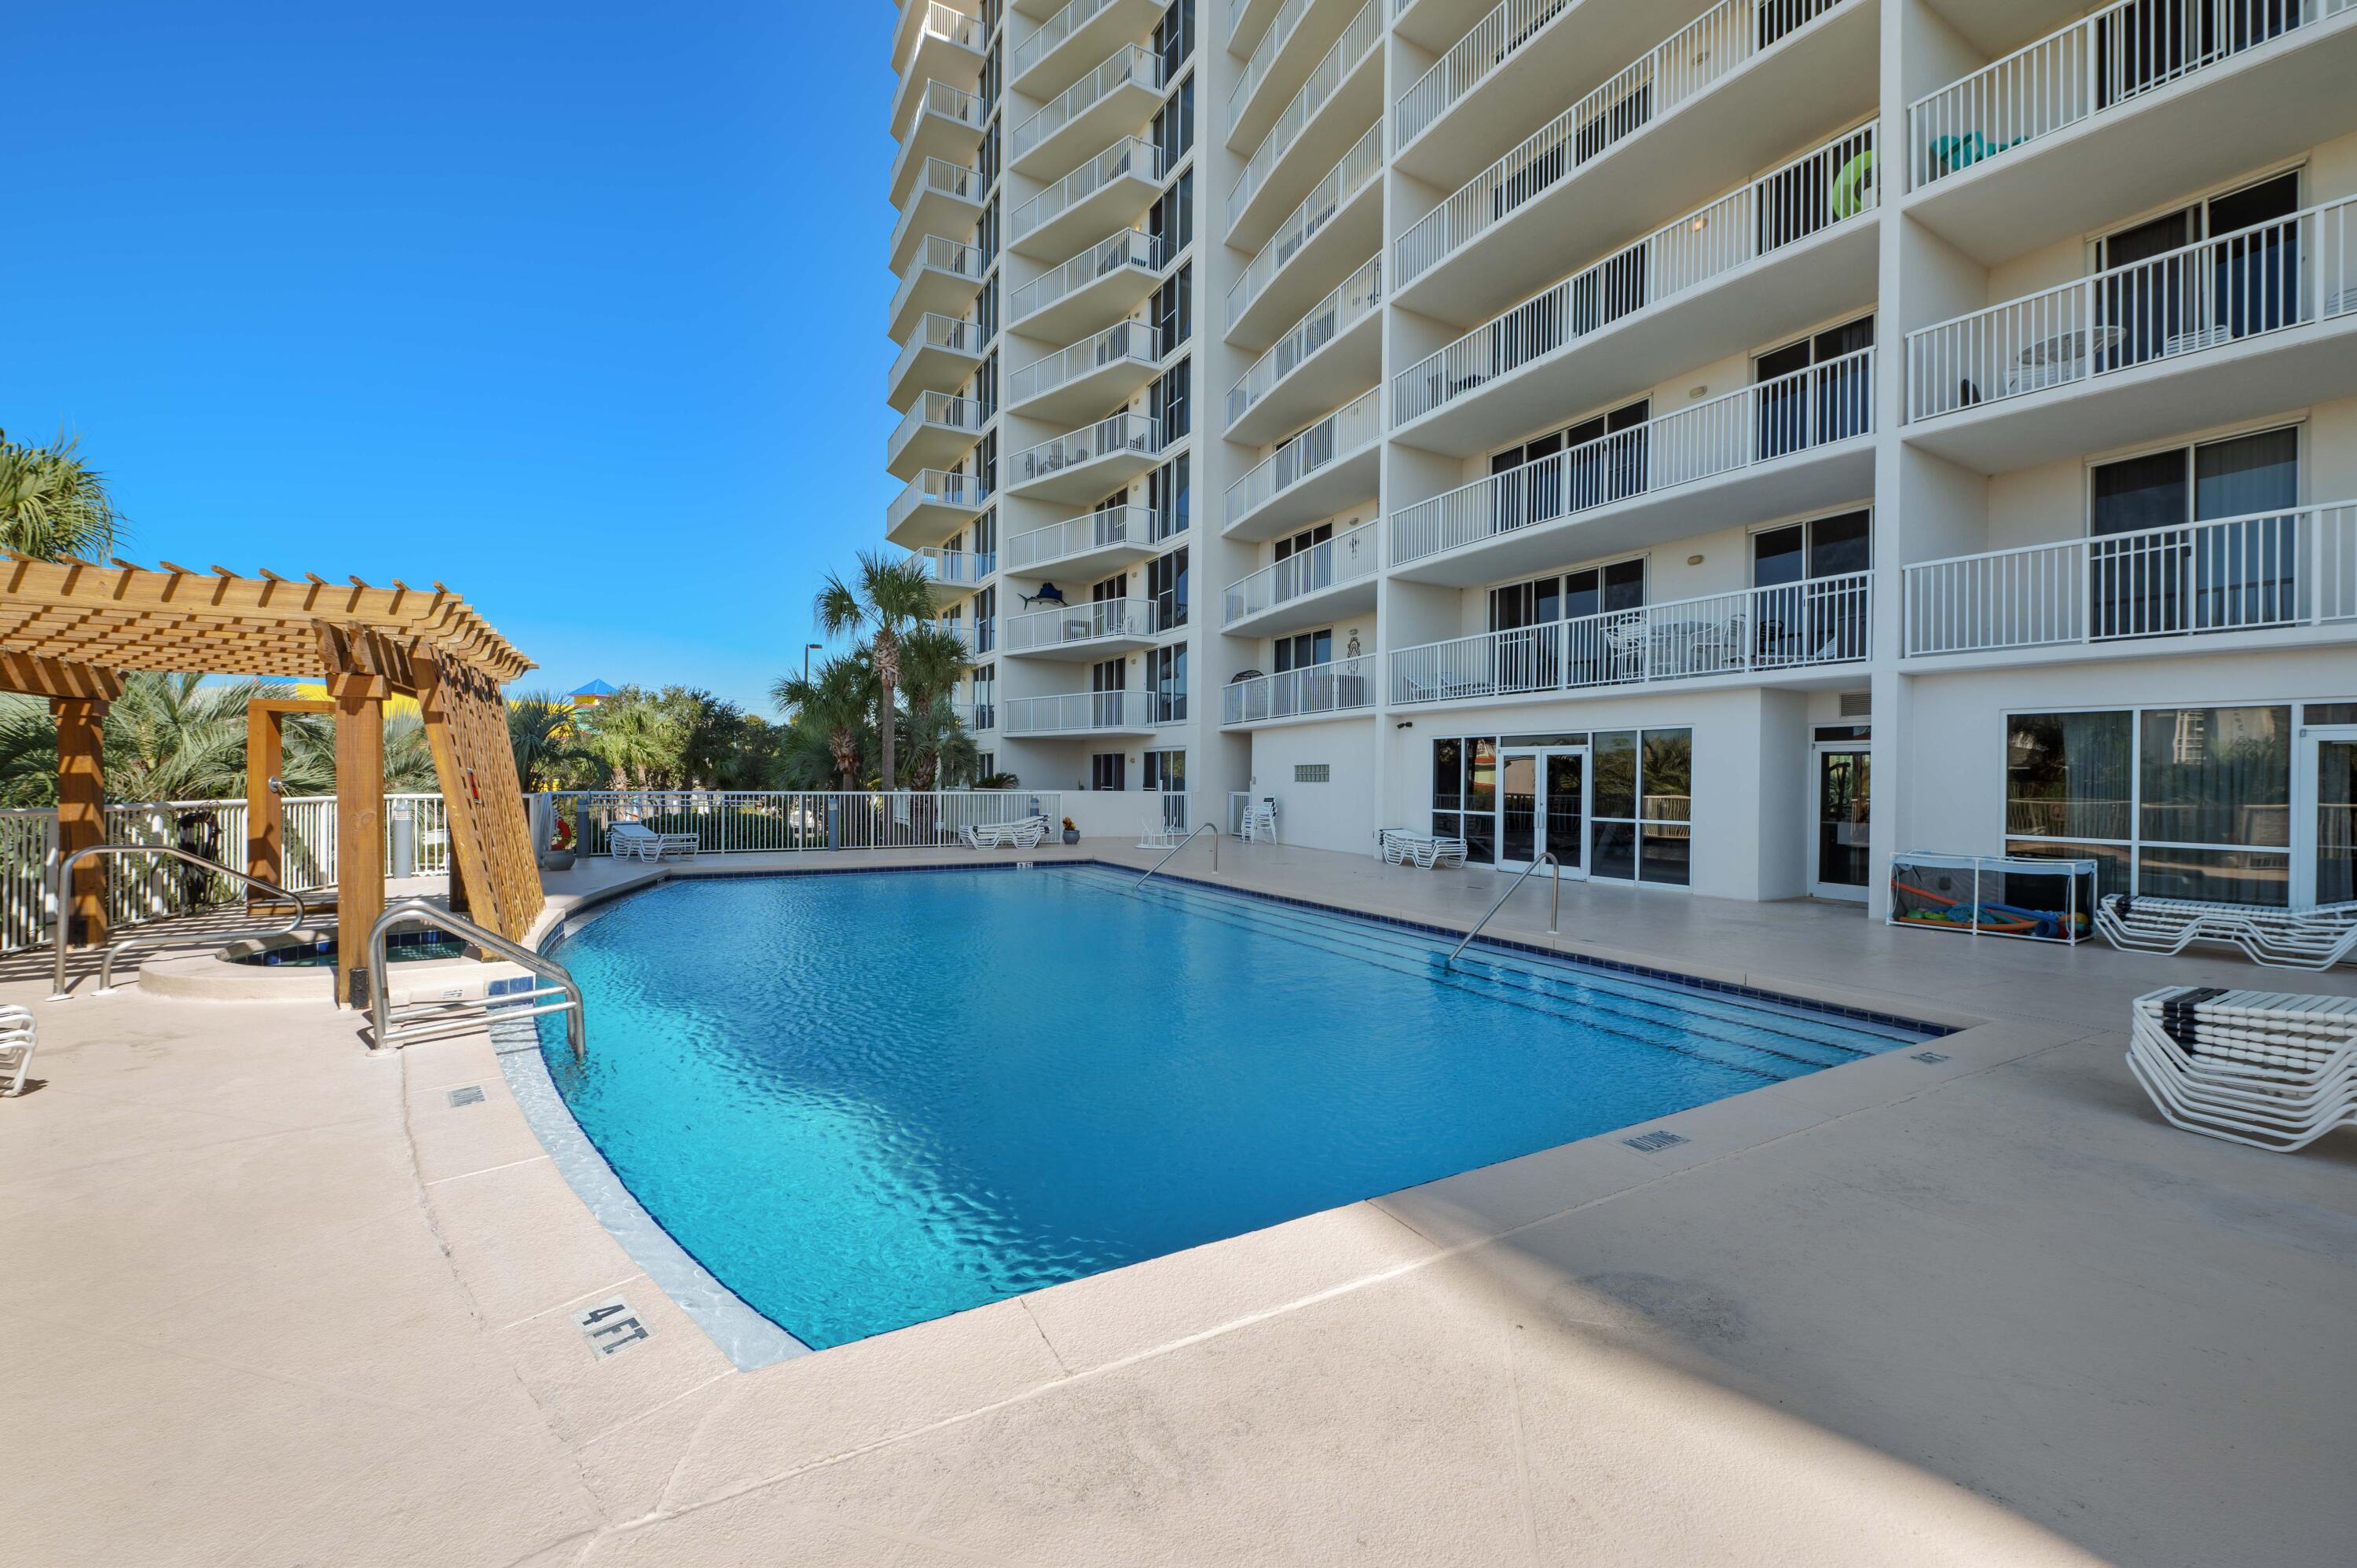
(1718, 445)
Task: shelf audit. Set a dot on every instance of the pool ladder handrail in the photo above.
(1211, 828)
(62, 875)
(1555, 908)
(431, 1019)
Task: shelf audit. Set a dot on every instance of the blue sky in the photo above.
(578, 308)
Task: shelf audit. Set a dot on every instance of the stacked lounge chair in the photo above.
(636, 841)
(17, 1042)
(2282, 939)
(1025, 833)
(2261, 1068)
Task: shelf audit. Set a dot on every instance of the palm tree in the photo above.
(890, 600)
(940, 749)
(830, 709)
(932, 663)
(52, 503)
(540, 729)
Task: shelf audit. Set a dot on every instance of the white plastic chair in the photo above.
(17, 1041)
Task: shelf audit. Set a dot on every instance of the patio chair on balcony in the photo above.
(15, 1045)
(2279, 938)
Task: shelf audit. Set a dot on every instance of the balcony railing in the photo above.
(953, 27)
(967, 634)
(1341, 432)
(1079, 712)
(1052, 32)
(1345, 558)
(977, 717)
(1357, 170)
(1690, 60)
(947, 333)
(1129, 156)
(1130, 248)
(1129, 342)
(1825, 620)
(1327, 320)
(955, 568)
(938, 254)
(1336, 688)
(1096, 621)
(1805, 198)
(952, 103)
(1358, 39)
(1280, 33)
(937, 409)
(2239, 573)
(1131, 63)
(1492, 41)
(1125, 432)
(1109, 529)
(2267, 278)
(932, 487)
(1824, 403)
(2094, 65)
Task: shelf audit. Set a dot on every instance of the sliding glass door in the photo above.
(1543, 810)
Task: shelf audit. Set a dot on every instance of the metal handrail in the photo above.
(577, 1028)
(64, 874)
(1211, 828)
(1554, 909)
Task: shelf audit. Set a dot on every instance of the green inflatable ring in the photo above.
(1851, 185)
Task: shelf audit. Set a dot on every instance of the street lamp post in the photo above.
(806, 653)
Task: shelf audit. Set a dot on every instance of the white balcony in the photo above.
(941, 353)
(946, 198)
(1073, 40)
(1315, 474)
(1079, 712)
(954, 574)
(2266, 579)
(1328, 355)
(948, 48)
(1331, 579)
(1085, 463)
(1344, 90)
(911, 17)
(1108, 192)
(2123, 111)
(1775, 632)
(1084, 547)
(1095, 374)
(1782, 256)
(1279, 62)
(1774, 449)
(1494, 66)
(1096, 288)
(1118, 96)
(1092, 630)
(934, 506)
(1707, 105)
(940, 429)
(1340, 218)
(978, 718)
(948, 126)
(942, 281)
(2239, 326)
(1315, 690)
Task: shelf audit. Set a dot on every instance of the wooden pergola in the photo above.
(68, 630)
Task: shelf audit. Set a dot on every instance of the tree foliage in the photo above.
(52, 503)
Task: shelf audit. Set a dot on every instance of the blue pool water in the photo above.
(864, 1100)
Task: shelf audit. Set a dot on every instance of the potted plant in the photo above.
(1072, 833)
(558, 855)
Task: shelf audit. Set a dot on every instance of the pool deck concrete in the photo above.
(271, 1299)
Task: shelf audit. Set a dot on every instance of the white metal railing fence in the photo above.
(1813, 193)
(1350, 304)
(1825, 620)
(1336, 688)
(2287, 272)
(2239, 573)
(1106, 529)
(936, 486)
(1123, 342)
(1125, 432)
(1827, 402)
(1356, 171)
(1130, 64)
(935, 410)
(1264, 56)
(1329, 563)
(1690, 60)
(1344, 431)
(955, 568)
(1079, 712)
(1131, 248)
(948, 333)
(954, 25)
(139, 889)
(1130, 156)
(1090, 622)
(1359, 38)
(2094, 64)
(936, 254)
(758, 821)
(1052, 33)
(949, 103)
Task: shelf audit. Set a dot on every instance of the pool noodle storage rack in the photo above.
(1994, 896)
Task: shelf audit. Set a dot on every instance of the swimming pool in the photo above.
(862, 1101)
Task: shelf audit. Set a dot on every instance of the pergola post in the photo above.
(265, 818)
(360, 825)
(82, 813)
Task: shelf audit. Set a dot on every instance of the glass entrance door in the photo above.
(1542, 809)
(2329, 771)
(1841, 861)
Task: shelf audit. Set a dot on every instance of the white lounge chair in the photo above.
(636, 841)
(987, 837)
(2265, 1068)
(1027, 833)
(1397, 845)
(1441, 853)
(2281, 938)
(17, 1042)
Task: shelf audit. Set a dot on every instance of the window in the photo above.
(1813, 606)
(1165, 585)
(1174, 36)
(1593, 590)
(1304, 649)
(1313, 773)
(1166, 491)
(1465, 794)
(1113, 587)
(1813, 390)
(1174, 123)
(1172, 220)
(985, 533)
(1642, 826)
(1166, 400)
(1109, 675)
(985, 621)
(1106, 770)
(985, 697)
(1294, 544)
(1174, 311)
(1166, 678)
(1571, 470)
(2161, 298)
(2150, 573)
(1166, 771)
